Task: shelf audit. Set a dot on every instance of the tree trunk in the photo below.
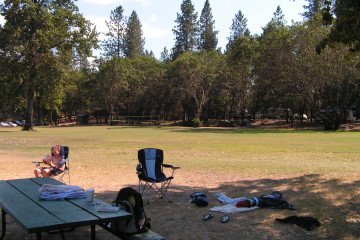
(29, 110)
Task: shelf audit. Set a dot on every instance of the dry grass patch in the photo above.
(316, 171)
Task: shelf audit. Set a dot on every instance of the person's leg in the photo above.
(37, 172)
(46, 172)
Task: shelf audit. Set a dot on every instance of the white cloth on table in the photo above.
(61, 192)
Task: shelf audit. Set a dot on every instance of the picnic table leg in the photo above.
(3, 224)
(38, 236)
(93, 232)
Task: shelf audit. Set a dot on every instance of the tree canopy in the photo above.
(37, 40)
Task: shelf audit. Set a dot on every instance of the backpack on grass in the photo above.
(131, 201)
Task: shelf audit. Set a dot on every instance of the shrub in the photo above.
(196, 122)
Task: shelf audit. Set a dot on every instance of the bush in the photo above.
(225, 124)
(196, 122)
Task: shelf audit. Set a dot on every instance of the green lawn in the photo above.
(280, 152)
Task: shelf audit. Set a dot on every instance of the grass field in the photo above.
(318, 172)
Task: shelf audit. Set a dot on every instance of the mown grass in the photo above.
(279, 152)
(317, 171)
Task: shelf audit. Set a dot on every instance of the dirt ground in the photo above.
(181, 220)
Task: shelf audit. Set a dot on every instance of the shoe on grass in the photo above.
(207, 217)
(225, 218)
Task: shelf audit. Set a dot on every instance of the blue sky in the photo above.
(158, 16)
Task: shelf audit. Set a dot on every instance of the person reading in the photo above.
(55, 163)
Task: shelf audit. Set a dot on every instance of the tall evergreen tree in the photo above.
(314, 7)
(238, 29)
(345, 27)
(208, 39)
(113, 45)
(278, 21)
(279, 17)
(186, 31)
(134, 42)
(165, 56)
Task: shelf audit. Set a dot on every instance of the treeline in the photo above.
(279, 68)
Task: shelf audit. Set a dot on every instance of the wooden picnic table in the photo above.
(19, 198)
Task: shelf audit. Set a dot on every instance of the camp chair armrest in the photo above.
(170, 166)
(38, 163)
(63, 162)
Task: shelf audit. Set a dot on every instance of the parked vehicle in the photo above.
(2, 124)
(17, 122)
(297, 116)
(11, 124)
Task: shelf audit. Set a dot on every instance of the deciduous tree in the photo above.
(38, 35)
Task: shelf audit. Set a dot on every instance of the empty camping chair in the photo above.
(60, 175)
(151, 175)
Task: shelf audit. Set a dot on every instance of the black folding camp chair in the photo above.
(60, 175)
(151, 175)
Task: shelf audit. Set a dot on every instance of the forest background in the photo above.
(309, 67)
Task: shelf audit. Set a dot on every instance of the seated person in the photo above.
(54, 163)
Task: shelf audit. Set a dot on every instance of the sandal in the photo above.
(225, 218)
(207, 217)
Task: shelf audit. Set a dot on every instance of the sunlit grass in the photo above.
(280, 152)
(317, 171)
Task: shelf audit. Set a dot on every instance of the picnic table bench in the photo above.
(19, 198)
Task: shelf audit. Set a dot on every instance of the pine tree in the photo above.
(344, 18)
(165, 55)
(314, 7)
(238, 29)
(186, 30)
(208, 39)
(278, 21)
(134, 42)
(113, 46)
(279, 17)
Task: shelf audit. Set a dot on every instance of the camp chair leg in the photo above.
(3, 224)
(144, 188)
(93, 232)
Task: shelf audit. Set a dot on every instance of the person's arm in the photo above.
(60, 165)
(46, 160)
(50, 162)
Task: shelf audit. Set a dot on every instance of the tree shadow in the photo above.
(335, 204)
(243, 130)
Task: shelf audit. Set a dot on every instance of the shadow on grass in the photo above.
(335, 204)
(244, 130)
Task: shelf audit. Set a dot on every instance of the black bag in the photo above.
(131, 201)
(199, 199)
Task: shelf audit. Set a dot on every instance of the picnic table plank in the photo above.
(104, 216)
(23, 211)
(46, 180)
(84, 204)
(70, 214)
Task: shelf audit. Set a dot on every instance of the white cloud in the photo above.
(100, 25)
(2, 20)
(152, 32)
(153, 18)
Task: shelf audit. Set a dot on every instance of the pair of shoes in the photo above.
(207, 217)
(225, 218)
